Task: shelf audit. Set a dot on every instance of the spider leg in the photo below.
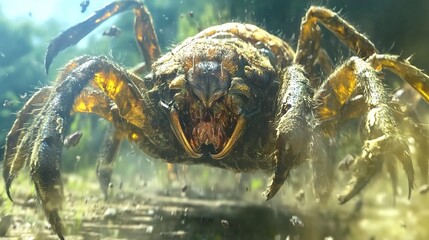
(17, 142)
(106, 156)
(146, 38)
(309, 40)
(401, 67)
(293, 132)
(380, 127)
(420, 82)
(95, 101)
(410, 123)
(46, 132)
(325, 62)
(410, 126)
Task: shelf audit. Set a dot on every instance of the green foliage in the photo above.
(200, 15)
(21, 67)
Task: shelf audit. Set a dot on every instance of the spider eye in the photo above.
(177, 85)
(240, 88)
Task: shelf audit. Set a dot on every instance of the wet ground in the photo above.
(143, 211)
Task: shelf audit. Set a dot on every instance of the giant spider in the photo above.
(233, 96)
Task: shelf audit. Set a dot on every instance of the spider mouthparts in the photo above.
(231, 141)
(178, 131)
(208, 136)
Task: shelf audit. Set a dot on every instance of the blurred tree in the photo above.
(21, 67)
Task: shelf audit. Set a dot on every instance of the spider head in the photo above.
(206, 111)
(211, 90)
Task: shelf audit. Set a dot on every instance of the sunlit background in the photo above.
(39, 12)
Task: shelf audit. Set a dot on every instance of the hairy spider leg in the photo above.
(401, 67)
(146, 38)
(420, 82)
(294, 105)
(325, 62)
(18, 140)
(147, 42)
(308, 48)
(380, 126)
(106, 157)
(309, 52)
(68, 96)
(408, 121)
(411, 127)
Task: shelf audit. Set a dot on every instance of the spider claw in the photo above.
(364, 170)
(391, 169)
(280, 174)
(407, 164)
(276, 183)
(56, 223)
(8, 183)
(282, 167)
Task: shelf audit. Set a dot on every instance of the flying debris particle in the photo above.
(110, 213)
(300, 195)
(296, 221)
(149, 229)
(424, 189)
(7, 103)
(112, 32)
(72, 139)
(224, 223)
(23, 96)
(84, 5)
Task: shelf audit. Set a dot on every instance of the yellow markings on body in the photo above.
(107, 14)
(93, 102)
(326, 112)
(138, 34)
(83, 105)
(109, 83)
(344, 89)
(342, 83)
(134, 136)
(411, 74)
(128, 101)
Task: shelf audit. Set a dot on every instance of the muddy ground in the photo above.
(146, 209)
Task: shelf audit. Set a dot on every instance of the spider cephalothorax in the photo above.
(233, 96)
(209, 97)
